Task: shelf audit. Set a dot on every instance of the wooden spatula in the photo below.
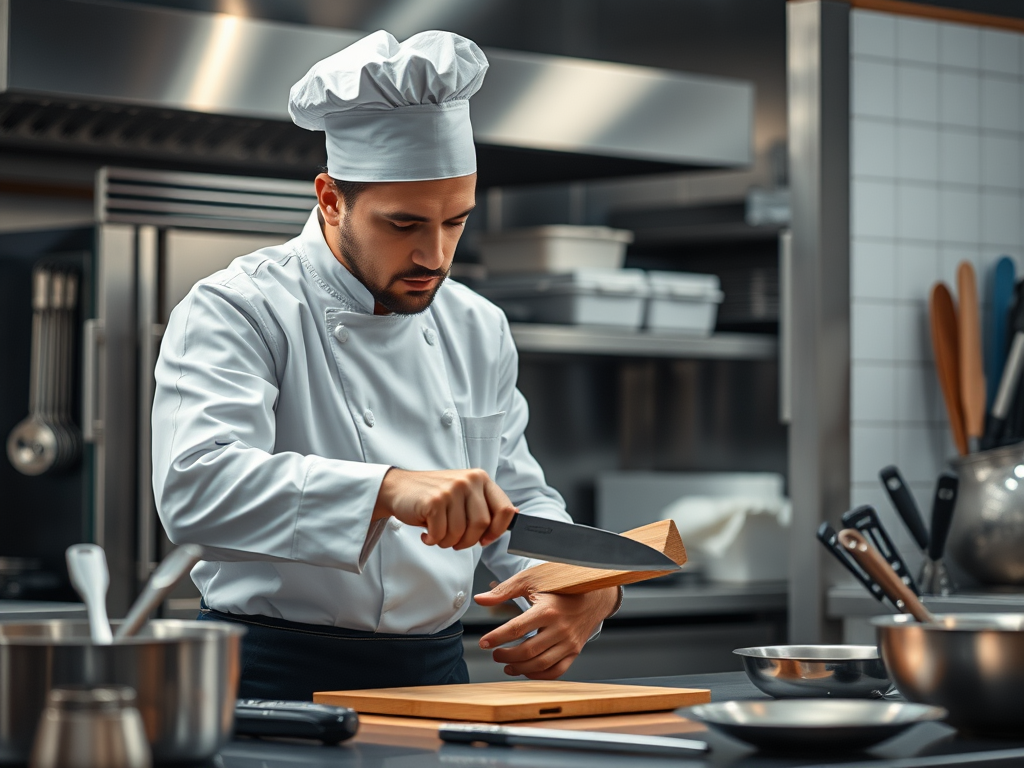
(945, 342)
(972, 370)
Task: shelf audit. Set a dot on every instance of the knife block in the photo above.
(576, 579)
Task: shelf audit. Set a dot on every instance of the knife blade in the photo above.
(572, 544)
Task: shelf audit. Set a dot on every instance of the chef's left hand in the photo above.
(564, 623)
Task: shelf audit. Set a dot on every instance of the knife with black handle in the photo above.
(865, 520)
(935, 579)
(903, 500)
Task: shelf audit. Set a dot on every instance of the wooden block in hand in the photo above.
(577, 579)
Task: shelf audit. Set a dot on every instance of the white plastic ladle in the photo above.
(87, 566)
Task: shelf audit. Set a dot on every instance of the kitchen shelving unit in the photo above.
(595, 340)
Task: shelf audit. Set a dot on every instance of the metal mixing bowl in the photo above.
(986, 537)
(185, 674)
(970, 663)
(807, 671)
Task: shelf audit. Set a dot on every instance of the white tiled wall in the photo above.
(937, 175)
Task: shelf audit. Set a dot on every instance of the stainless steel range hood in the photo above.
(198, 87)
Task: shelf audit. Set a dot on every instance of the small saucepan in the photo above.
(971, 664)
(185, 674)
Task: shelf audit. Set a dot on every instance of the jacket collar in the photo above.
(328, 271)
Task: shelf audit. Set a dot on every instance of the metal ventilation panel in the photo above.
(159, 82)
(203, 201)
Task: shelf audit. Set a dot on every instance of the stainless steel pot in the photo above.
(972, 664)
(987, 535)
(185, 674)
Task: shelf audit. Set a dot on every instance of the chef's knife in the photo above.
(905, 504)
(559, 542)
(509, 736)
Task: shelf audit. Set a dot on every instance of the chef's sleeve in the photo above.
(216, 478)
(519, 474)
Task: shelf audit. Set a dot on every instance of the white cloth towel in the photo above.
(709, 524)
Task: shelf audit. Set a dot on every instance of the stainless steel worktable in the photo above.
(924, 745)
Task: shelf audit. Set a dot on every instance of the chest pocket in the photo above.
(483, 440)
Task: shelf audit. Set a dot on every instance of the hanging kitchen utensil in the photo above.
(903, 500)
(877, 568)
(865, 519)
(945, 343)
(972, 372)
(87, 567)
(827, 535)
(1000, 298)
(164, 579)
(934, 577)
(32, 445)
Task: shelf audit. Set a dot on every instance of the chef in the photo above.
(338, 422)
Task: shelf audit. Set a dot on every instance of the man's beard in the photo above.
(380, 286)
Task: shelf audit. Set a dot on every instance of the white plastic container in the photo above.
(555, 248)
(683, 302)
(611, 297)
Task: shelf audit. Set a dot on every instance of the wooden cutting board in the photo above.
(513, 700)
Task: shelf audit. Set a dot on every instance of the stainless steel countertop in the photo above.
(853, 600)
(641, 601)
(31, 610)
(926, 744)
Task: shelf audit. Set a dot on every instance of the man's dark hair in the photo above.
(349, 190)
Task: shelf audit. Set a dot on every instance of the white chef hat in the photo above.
(391, 111)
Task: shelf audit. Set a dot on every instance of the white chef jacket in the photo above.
(282, 400)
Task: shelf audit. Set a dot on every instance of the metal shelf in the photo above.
(593, 340)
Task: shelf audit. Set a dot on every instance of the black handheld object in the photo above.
(865, 519)
(295, 720)
(942, 512)
(828, 536)
(905, 504)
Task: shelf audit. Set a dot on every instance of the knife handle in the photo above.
(906, 506)
(942, 512)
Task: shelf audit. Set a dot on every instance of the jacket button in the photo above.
(341, 333)
(368, 417)
(448, 417)
(460, 600)
(430, 336)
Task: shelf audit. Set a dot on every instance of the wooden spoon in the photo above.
(945, 342)
(972, 370)
(877, 568)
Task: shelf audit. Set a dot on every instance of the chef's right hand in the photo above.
(458, 507)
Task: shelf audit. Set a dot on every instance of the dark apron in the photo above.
(286, 660)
